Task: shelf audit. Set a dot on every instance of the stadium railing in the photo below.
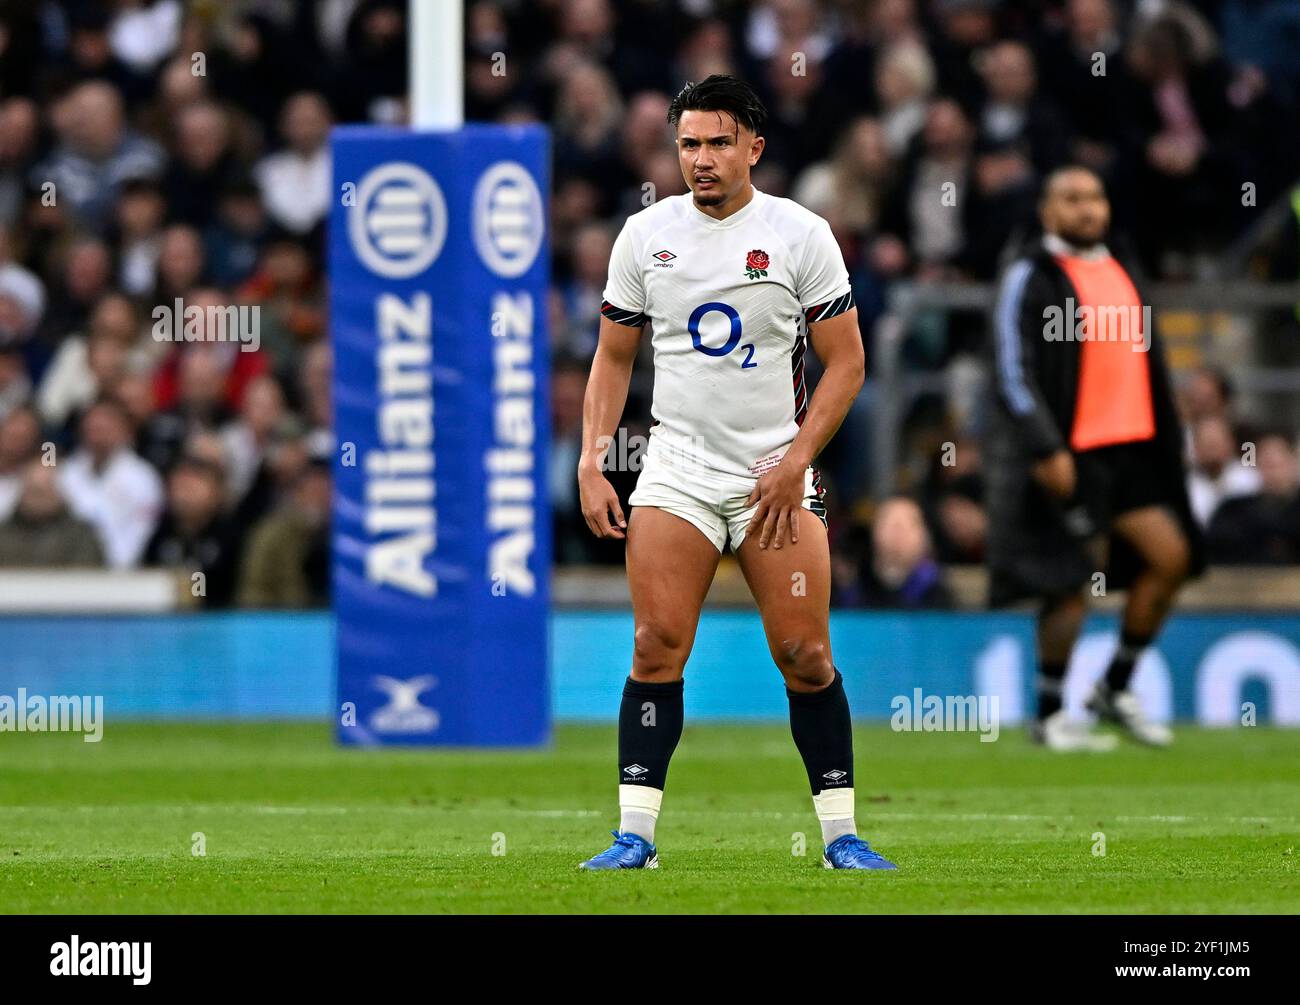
(163, 591)
(94, 591)
(1222, 588)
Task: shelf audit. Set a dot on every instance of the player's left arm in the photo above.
(780, 492)
(821, 284)
(838, 344)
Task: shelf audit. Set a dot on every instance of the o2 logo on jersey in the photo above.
(693, 326)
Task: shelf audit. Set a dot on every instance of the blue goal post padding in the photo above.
(438, 260)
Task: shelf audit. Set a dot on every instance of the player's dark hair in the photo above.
(721, 92)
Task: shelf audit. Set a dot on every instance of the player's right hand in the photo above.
(599, 501)
(1056, 474)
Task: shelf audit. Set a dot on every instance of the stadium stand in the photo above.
(156, 152)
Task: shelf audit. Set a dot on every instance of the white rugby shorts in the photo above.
(711, 500)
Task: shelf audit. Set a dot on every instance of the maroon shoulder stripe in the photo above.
(823, 312)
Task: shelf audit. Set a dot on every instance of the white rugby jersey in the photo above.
(728, 302)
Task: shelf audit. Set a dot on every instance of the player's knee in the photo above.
(1174, 562)
(806, 663)
(657, 651)
(1068, 604)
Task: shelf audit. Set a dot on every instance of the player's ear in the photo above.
(756, 150)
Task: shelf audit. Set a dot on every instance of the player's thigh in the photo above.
(1154, 532)
(670, 564)
(792, 588)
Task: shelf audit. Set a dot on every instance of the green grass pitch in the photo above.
(292, 823)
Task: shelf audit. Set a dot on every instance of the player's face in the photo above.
(1076, 208)
(715, 155)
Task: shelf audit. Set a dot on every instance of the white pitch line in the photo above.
(867, 814)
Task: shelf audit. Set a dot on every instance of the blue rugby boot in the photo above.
(629, 851)
(852, 852)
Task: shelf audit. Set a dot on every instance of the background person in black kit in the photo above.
(1073, 491)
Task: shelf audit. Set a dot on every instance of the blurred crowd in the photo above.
(875, 107)
(151, 151)
(156, 152)
(1243, 481)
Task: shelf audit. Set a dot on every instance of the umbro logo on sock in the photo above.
(635, 770)
(834, 775)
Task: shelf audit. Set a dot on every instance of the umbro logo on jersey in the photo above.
(635, 770)
(664, 259)
(834, 775)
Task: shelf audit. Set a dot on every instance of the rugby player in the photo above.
(734, 284)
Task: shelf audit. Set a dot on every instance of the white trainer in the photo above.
(1124, 709)
(1059, 732)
